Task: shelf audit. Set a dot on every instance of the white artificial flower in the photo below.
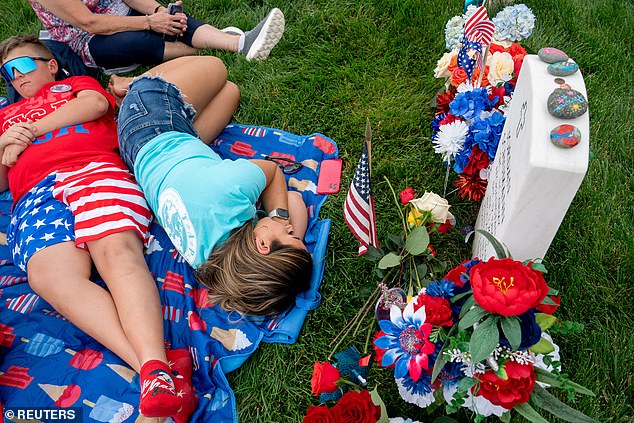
(450, 139)
(420, 400)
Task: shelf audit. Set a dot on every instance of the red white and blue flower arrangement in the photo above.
(480, 72)
(480, 338)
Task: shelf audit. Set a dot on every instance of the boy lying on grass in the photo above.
(75, 203)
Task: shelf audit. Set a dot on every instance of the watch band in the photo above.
(279, 212)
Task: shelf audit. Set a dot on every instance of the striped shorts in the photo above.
(81, 206)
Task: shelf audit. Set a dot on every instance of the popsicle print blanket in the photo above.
(46, 361)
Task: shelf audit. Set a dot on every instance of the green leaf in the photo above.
(467, 306)
(505, 418)
(472, 317)
(529, 413)
(374, 254)
(547, 377)
(548, 402)
(390, 260)
(444, 419)
(544, 346)
(540, 267)
(548, 301)
(376, 399)
(459, 296)
(441, 360)
(466, 383)
(396, 239)
(484, 339)
(501, 373)
(545, 321)
(438, 266)
(422, 270)
(552, 291)
(500, 251)
(512, 330)
(417, 241)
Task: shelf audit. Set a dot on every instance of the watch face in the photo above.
(279, 213)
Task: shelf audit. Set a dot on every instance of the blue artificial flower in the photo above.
(462, 159)
(406, 341)
(451, 374)
(514, 23)
(435, 123)
(442, 288)
(531, 331)
(420, 387)
(470, 104)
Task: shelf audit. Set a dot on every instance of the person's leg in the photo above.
(60, 275)
(119, 260)
(203, 83)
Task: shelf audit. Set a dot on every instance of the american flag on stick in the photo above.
(479, 28)
(358, 209)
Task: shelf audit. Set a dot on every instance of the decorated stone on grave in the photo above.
(552, 55)
(563, 68)
(565, 102)
(565, 136)
(532, 180)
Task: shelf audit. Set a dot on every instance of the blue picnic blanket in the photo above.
(46, 361)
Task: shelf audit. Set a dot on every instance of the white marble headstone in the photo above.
(532, 182)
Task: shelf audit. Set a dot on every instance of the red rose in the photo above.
(356, 407)
(498, 92)
(437, 310)
(406, 195)
(458, 76)
(548, 308)
(443, 228)
(324, 378)
(517, 65)
(516, 49)
(515, 389)
(432, 250)
(318, 414)
(507, 287)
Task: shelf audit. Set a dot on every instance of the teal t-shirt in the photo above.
(197, 197)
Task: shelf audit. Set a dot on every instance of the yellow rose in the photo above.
(414, 218)
(433, 203)
(500, 68)
(442, 65)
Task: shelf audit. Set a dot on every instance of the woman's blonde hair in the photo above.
(242, 279)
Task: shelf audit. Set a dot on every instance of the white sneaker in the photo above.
(233, 30)
(260, 40)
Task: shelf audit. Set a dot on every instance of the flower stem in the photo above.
(403, 221)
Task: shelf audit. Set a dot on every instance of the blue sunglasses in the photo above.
(23, 64)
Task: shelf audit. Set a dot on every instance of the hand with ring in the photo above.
(164, 23)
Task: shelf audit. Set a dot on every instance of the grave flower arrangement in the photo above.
(468, 124)
(480, 338)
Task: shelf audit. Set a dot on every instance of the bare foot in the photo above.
(118, 87)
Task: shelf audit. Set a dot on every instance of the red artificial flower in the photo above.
(507, 287)
(454, 274)
(515, 49)
(432, 250)
(443, 228)
(453, 63)
(496, 48)
(379, 352)
(517, 65)
(444, 99)
(476, 76)
(471, 186)
(448, 119)
(458, 76)
(406, 195)
(324, 379)
(437, 310)
(318, 414)
(498, 92)
(550, 309)
(356, 407)
(515, 389)
(477, 161)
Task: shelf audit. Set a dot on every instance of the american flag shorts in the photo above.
(81, 206)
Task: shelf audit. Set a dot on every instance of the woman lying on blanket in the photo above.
(208, 205)
(77, 204)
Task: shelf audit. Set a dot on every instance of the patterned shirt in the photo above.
(78, 39)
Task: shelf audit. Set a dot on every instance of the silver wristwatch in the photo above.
(281, 213)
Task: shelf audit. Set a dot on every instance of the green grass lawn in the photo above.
(342, 61)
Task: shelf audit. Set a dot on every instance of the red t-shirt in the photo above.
(63, 149)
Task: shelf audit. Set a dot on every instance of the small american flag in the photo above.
(479, 28)
(358, 209)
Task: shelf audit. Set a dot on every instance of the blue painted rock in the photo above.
(552, 55)
(566, 103)
(565, 136)
(562, 68)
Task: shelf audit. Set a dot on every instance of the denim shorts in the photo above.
(151, 107)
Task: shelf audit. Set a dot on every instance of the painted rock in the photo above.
(565, 136)
(552, 55)
(566, 103)
(563, 68)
